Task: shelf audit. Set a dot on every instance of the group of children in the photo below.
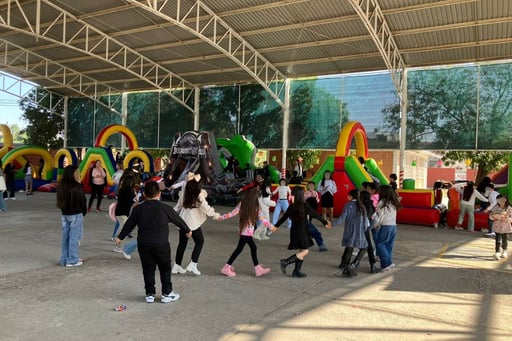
(369, 217)
(369, 220)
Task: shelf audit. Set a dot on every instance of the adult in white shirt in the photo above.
(298, 168)
(327, 188)
(467, 204)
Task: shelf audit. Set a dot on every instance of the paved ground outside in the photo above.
(446, 286)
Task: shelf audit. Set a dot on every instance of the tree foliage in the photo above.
(486, 162)
(316, 117)
(445, 113)
(44, 128)
(310, 157)
(17, 136)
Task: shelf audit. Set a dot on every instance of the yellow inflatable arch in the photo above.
(6, 132)
(17, 153)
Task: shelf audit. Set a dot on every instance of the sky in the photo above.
(11, 88)
(10, 112)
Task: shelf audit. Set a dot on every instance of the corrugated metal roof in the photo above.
(300, 38)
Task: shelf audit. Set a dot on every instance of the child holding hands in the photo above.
(152, 217)
(300, 237)
(356, 223)
(250, 213)
(194, 210)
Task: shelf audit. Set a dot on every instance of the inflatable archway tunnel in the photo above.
(61, 155)
(18, 153)
(110, 130)
(344, 161)
(143, 155)
(352, 131)
(348, 171)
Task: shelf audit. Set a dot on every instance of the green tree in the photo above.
(260, 117)
(316, 116)
(442, 109)
(44, 128)
(219, 110)
(17, 136)
(310, 158)
(486, 161)
(495, 106)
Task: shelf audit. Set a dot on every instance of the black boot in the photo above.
(285, 262)
(373, 268)
(355, 263)
(345, 259)
(297, 272)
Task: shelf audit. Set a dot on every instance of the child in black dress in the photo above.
(300, 238)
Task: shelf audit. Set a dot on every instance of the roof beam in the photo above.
(28, 62)
(214, 31)
(371, 15)
(404, 52)
(17, 87)
(67, 30)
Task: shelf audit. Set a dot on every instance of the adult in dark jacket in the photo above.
(10, 181)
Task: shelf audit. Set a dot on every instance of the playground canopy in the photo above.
(99, 47)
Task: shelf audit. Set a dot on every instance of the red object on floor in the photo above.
(480, 219)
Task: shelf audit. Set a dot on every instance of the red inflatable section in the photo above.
(418, 216)
(340, 197)
(417, 208)
(480, 219)
(417, 198)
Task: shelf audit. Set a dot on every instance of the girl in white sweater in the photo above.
(385, 226)
(265, 204)
(194, 210)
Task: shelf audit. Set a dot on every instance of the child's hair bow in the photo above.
(191, 176)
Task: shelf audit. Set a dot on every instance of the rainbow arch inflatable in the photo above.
(348, 173)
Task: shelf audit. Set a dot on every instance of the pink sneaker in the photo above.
(259, 270)
(228, 271)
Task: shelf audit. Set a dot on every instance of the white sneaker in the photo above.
(192, 267)
(150, 298)
(490, 234)
(117, 249)
(76, 264)
(170, 297)
(389, 267)
(177, 269)
(497, 256)
(127, 256)
(504, 254)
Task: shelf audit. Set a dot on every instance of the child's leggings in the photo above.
(239, 248)
(501, 241)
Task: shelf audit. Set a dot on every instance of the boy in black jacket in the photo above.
(152, 217)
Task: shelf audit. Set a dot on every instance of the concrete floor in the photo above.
(446, 286)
